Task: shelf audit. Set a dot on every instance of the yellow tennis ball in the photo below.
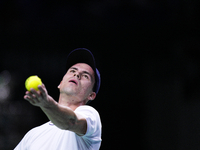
(33, 82)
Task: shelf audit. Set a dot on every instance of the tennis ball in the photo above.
(33, 82)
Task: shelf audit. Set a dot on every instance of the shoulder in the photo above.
(35, 129)
(32, 134)
(93, 120)
(85, 109)
(90, 114)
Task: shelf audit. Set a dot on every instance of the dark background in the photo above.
(147, 53)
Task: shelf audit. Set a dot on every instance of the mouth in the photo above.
(73, 81)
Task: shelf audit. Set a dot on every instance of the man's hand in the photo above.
(39, 98)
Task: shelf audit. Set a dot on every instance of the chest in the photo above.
(51, 137)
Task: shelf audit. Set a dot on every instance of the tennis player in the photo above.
(73, 125)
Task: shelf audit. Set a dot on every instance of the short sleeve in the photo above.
(93, 122)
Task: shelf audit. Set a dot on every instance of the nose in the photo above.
(78, 76)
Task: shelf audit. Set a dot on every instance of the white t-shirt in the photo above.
(50, 137)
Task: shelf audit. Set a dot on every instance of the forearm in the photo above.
(61, 116)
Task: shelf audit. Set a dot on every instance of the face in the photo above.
(78, 82)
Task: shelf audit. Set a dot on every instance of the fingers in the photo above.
(34, 96)
(42, 90)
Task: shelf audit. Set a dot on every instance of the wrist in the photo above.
(51, 103)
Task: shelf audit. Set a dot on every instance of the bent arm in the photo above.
(61, 116)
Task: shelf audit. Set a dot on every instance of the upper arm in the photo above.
(78, 125)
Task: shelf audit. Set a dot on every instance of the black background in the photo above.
(146, 51)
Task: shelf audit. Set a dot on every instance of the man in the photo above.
(73, 125)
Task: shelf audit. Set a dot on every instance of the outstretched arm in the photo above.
(61, 116)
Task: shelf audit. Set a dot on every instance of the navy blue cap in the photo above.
(83, 55)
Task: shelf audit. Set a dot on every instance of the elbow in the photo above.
(68, 125)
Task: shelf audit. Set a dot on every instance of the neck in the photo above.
(70, 101)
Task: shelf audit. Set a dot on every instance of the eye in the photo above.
(72, 71)
(86, 76)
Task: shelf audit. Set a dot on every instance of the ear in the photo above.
(92, 96)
